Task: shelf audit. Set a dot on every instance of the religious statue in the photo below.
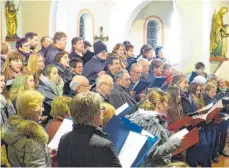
(11, 20)
(219, 34)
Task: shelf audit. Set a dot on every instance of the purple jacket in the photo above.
(50, 54)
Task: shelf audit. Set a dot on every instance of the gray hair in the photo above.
(200, 80)
(120, 74)
(135, 65)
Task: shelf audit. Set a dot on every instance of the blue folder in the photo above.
(158, 82)
(118, 130)
(140, 86)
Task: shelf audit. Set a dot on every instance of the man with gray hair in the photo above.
(120, 94)
(79, 84)
(145, 68)
(86, 145)
(104, 86)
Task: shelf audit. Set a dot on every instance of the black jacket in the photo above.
(120, 96)
(74, 55)
(87, 56)
(86, 146)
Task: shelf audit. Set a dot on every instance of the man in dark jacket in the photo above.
(86, 145)
(45, 42)
(96, 65)
(87, 52)
(112, 66)
(59, 44)
(120, 94)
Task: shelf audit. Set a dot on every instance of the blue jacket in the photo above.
(92, 68)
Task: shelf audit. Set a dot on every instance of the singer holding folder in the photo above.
(153, 121)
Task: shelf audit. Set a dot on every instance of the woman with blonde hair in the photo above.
(5, 52)
(13, 66)
(20, 84)
(35, 66)
(59, 111)
(119, 51)
(108, 111)
(26, 139)
(154, 122)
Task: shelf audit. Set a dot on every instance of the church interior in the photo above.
(189, 32)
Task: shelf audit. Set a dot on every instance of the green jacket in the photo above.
(27, 143)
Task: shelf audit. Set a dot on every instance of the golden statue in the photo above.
(11, 20)
(219, 34)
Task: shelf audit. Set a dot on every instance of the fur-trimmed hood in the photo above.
(18, 127)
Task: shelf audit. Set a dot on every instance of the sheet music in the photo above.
(65, 127)
(206, 107)
(121, 109)
(131, 148)
(219, 104)
(180, 134)
(144, 132)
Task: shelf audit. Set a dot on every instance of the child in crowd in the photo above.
(200, 67)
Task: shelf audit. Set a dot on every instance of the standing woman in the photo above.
(13, 66)
(35, 66)
(119, 51)
(62, 64)
(50, 85)
(26, 139)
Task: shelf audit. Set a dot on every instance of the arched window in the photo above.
(154, 31)
(82, 28)
(85, 26)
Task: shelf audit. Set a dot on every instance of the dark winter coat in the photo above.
(86, 146)
(120, 96)
(92, 68)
